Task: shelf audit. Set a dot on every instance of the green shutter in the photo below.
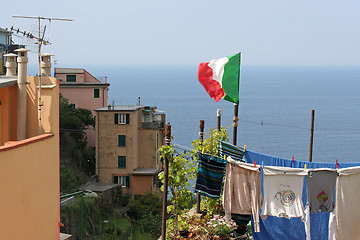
(127, 118)
(127, 181)
(121, 161)
(96, 93)
(70, 78)
(115, 179)
(121, 140)
(116, 118)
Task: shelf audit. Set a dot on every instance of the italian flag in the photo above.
(220, 77)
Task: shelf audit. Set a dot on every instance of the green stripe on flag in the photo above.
(230, 81)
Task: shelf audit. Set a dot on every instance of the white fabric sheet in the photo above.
(283, 192)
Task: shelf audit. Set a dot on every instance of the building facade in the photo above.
(84, 91)
(127, 142)
(5, 41)
(29, 160)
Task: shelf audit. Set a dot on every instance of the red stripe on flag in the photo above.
(205, 76)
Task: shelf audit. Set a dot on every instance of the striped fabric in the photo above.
(211, 171)
(228, 149)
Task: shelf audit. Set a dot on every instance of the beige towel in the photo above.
(242, 190)
(347, 200)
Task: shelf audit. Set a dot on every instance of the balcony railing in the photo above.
(153, 125)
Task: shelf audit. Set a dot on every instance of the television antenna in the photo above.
(40, 42)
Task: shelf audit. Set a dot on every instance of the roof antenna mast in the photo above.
(40, 42)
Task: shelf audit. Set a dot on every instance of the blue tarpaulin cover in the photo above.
(282, 228)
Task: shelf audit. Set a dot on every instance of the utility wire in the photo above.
(182, 147)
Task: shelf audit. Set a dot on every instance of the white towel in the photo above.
(307, 223)
(332, 225)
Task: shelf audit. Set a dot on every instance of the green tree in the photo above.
(210, 145)
(73, 123)
(67, 180)
(181, 171)
(146, 211)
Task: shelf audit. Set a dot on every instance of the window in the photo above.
(71, 78)
(121, 140)
(121, 118)
(121, 161)
(96, 93)
(122, 180)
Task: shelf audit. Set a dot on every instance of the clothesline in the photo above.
(284, 196)
(265, 123)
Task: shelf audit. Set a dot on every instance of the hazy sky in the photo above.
(267, 32)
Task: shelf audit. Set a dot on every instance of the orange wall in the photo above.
(141, 184)
(148, 149)
(29, 169)
(29, 182)
(8, 112)
(50, 109)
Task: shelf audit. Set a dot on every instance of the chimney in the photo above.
(21, 100)
(10, 64)
(46, 64)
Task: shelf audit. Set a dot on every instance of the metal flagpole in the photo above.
(236, 109)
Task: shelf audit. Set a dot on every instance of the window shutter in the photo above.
(96, 93)
(121, 161)
(127, 181)
(116, 118)
(127, 118)
(70, 78)
(121, 140)
(115, 180)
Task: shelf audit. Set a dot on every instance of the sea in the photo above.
(275, 108)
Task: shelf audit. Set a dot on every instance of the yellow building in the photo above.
(29, 154)
(127, 143)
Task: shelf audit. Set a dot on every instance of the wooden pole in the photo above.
(219, 119)
(166, 175)
(201, 137)
(235, 120)
(312, 135)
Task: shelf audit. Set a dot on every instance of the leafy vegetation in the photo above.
(107, 222)
(210, 145)
(181, 171)
(73, 150)
(68, 182)
(146, 212)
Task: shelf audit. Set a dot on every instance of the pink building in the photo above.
(84, 91)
